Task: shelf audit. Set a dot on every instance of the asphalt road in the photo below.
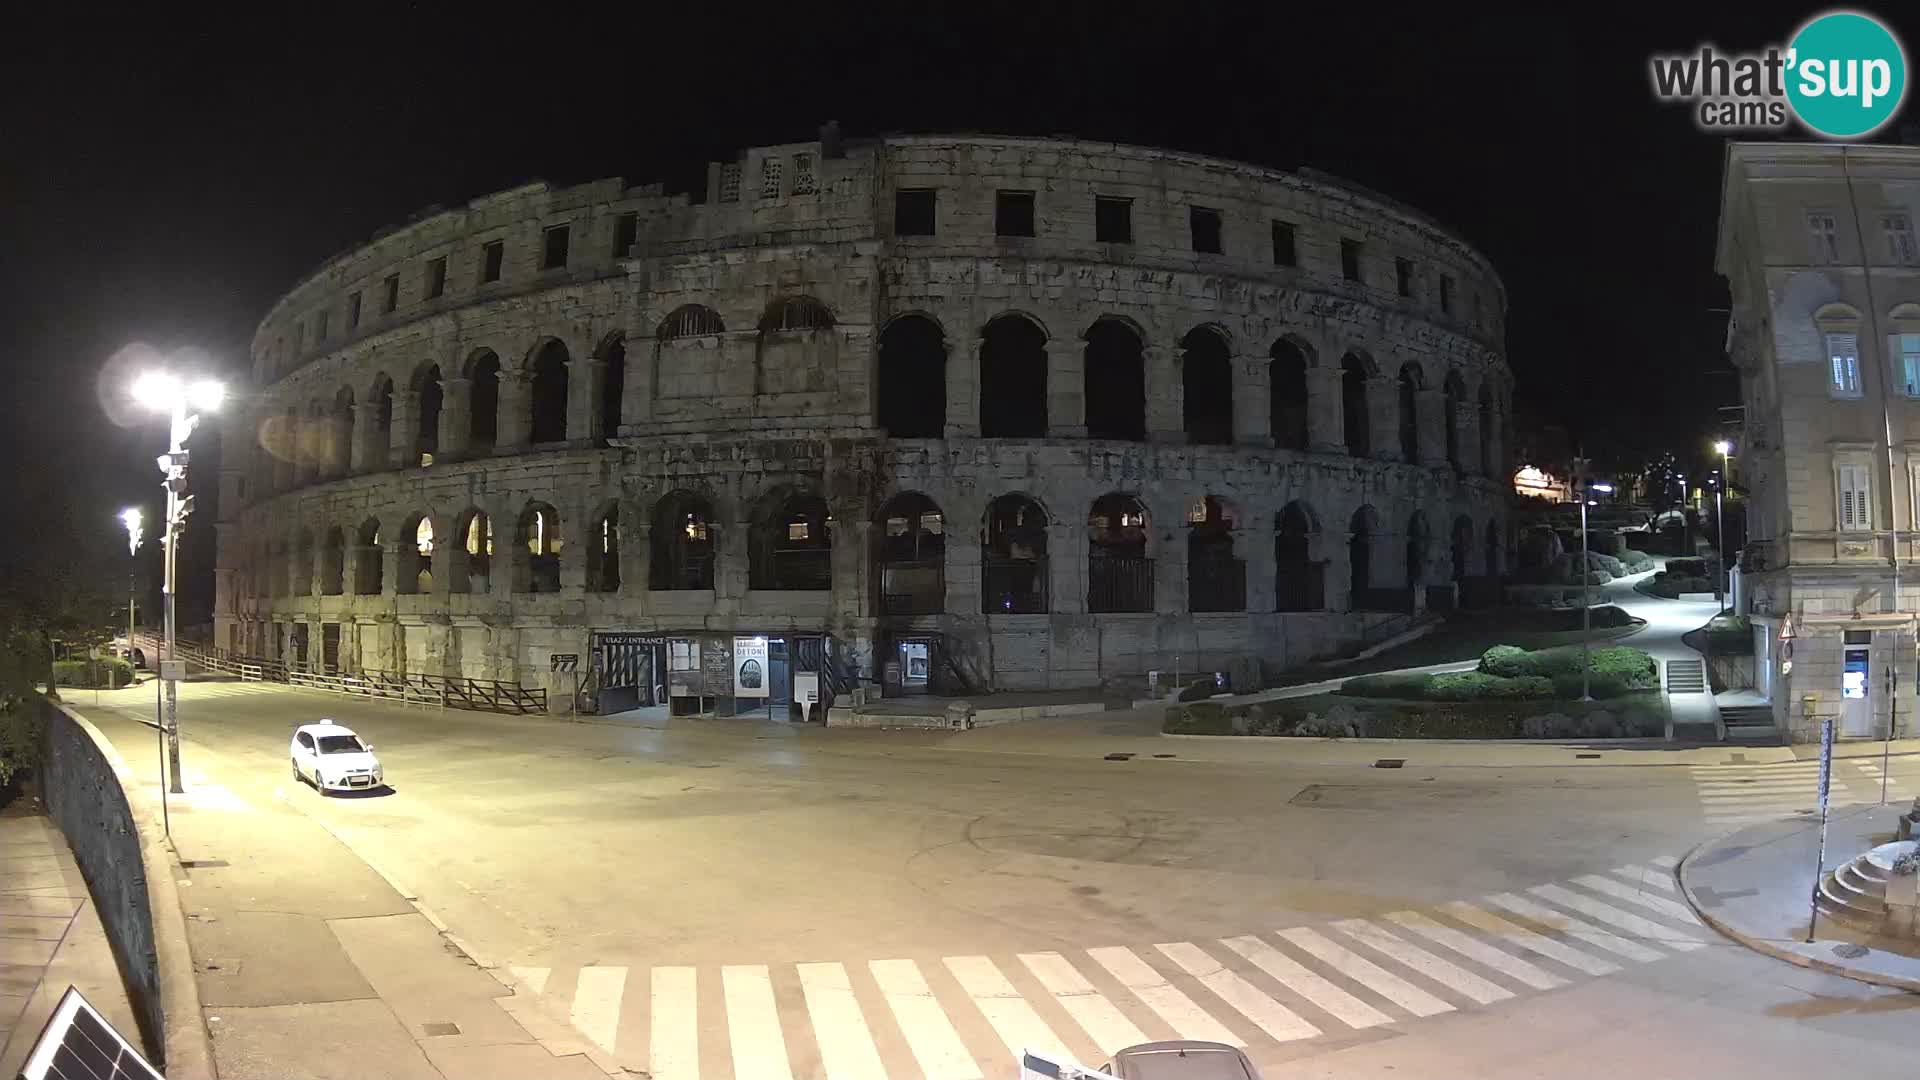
(889, 904)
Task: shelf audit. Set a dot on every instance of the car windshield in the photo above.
(340, 744)
(1196, 1063)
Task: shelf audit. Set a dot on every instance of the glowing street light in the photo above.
(1723, 448)
(1586, 603)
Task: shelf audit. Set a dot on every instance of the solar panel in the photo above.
(79, 1044)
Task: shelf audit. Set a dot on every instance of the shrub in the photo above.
(1521, 688)
(1636, 562)
(1199, 689)
(1391, 685)
(1461, 686)
(1202, 718)
(108, 674)
(1508, 661)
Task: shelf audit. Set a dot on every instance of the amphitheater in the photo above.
(918, 414)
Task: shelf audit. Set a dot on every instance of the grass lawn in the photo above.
(1464, 636)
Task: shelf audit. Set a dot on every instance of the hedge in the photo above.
(1508, 673)
(1199, 689)
(1308, 718)
(110, 674)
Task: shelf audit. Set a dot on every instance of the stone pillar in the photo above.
(1254, 543)
(963, 387)
(1339, 570)
(730, 577)
(1431, 406)
(440, 565)
(515, 421)
(586, 382)
(1067, 567)
(1495, 454)
(1326, 413)
(1383, 417)
(307, 456)
(1170, 570)
(636, 560)
(576, 533)
(1469, 425)
(368, 454)
(1166, 395)
(852, 534)
(1066, 389)
(1252, 401)
(963, 571)
(406, 430)
(390, 564)
(339, 441)
(456, 419)
(636, 404)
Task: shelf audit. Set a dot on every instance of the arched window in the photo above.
(333, 562)
(791, 546)
(470, 569)
(1300, 583)
(1216, 579)
(1416, 550)
(911, 555)
(536, 553)
(613, 385)
(796, 313)
(1488, 467)
(416, 556)
(1410, 382)
(1353, 405)
(369, 566)
(340, 434)
(1456, 393)
(1462, 547)
(547, 404)
(302, 569)
(1115, 382)
(380, 431)
(1119, 573)
(912, 369)
(1206, 382)
(426, 442)
(1361, 530)
(1013, 569)
(690, 320)
(483, 390)
(603, 552)
(682, 544)
(1496, 548)
(1287, 392)
(1013, 379)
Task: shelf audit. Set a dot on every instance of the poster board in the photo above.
(750, 674)
(716, 667)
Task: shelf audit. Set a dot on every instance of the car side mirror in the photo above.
(369, 747)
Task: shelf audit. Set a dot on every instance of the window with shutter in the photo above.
(1856, 513)
(1843, 352)
(1906, 347)
(1825, 236)
(1899, 230)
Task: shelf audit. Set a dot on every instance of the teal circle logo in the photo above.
(1848, 75)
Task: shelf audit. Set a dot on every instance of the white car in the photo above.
(332, 758)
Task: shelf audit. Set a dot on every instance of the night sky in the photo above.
(164, 184)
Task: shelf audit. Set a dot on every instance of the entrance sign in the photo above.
(750, 667)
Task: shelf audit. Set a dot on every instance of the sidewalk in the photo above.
(1756, 886)
(50, 936)
(317, 966)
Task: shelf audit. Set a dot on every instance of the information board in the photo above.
(750, 667)
(716, 666)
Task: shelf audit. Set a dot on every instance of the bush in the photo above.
(1521, 688)
(1508, 661)
(1199, 719)
(1199, 689)
(1391, 685)
(107, 674)
(1461, 686)
(1636, 562)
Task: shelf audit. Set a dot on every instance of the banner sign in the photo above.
(750, 667)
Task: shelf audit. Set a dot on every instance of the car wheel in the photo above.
(297, 778)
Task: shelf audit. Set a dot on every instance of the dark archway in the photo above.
(416, 556)
(369, 568)
(340, 434)
(682, 544)
(1361, 530)
(1013, 555)
(1287, 394)
(470, 568)
(483, 390)
(912, 372)
(1410, 383)
(1300, 583)
(1216, 579)
(910, 555)
(380, 431)
(690, 320)
(536, 550)
(613, 386)
(333, 562)
(1456, 393)
(792, 546)
(1206, 383)
(1354, 372)
(1462, 547)
(603, 552)
(426, 437)
(1488, 467)
(547, 405)
(301, 572)
(1013, 379)
(1115, 382)
(1416, 549)
(1119, 573)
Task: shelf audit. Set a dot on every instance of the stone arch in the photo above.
(603, 549)
(1462, 547)
(1456, 392)
(1363, 529)
(1216, 577)
(796, 313)
(536, 549)
(1013, 378)
(482, 372)
(1288, 402)
(547, 398)
(1119, 563)
(379, 430)
(790, 546)
(690, 320)
(911, 371)
(910, 555)
(417, 541)
(1013, 556)
(1299, 578)
(1417, 545)
(333, 562)
(470, 561)
(1355, 370)
(1412, 381)
(1206, 381)
(428, 389)
(682, 543)
(369, 569)
(613, 382)
(1114, 379)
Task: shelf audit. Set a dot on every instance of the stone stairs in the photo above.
(1749, 723)
(1686, 676)
(1856, 892)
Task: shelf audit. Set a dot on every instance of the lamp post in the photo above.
(1586, 605)
(131, 518)
(1720, 525)
(164, 392)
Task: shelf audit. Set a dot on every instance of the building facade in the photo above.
(1817, 244)
(992, 413)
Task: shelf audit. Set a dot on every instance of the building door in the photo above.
(1856, 701)
(330, 646)
(916, 666)
(779, 680)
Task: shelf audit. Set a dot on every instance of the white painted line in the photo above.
(533, 978)
(1272, 1017)
(930, 1035)
(1521, 937)
(1474, 949)
(1298, 978)
(1624, 920)
(1188, 1020)
(673, 1048)
(1667, 861)
(1013, 1019)
(753, 1023)
(1446, 973)
(596, 1004)
(1103, 1022)
(1672, 909)
(846, 1046)
(1367, 973)
(1576, 928)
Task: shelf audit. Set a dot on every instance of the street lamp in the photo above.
(131, 518)
(165, 392)
(1586, 605)
(1723, 448)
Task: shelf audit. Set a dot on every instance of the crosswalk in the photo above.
(1735, 795)
(968, 1017)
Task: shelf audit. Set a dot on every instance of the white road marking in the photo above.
(1625, 920)
(533, 978)
(673, 1048)
(1640, 875)
(596, 1003)
(1015, 1021)
(1272, 1017)
(1187, 1019)
(930, 1035)
(1521, 937)
(1474, 949)
(846, 1046)
(1672, 909)
(1667, 861)
(1296, 977)
(1577, 928)
(753, 1023)
(1103, 1022)
(1448, 974)
(1367, 973)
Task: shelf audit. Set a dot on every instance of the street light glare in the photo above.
(207, 394)
(1606, 488)
(131, 517)
(1723, 448)
(156, 390)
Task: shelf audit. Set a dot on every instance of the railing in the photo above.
(1301, 587)
(801, 570)
(1013, 586)
(484, 695)
(1119, 583)
(916, 587)
(1217, 584)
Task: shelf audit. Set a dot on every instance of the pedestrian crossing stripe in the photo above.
(1731, 796)
(970, 1017)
